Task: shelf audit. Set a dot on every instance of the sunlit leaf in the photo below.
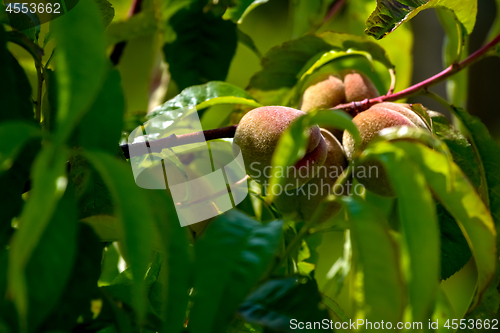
(241, 9)
(376, 253)
(81, 64)
(462, 202)
(206, 95)
(389, 14)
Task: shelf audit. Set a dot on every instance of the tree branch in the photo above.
(355, 107)
(156, 146)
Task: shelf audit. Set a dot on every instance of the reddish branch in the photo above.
(353, 108)
(156, 146)
(334, 10)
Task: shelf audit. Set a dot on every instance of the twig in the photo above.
(38, 109)
(355, 107)
(156, 146)
(120, 47)
(334, 10)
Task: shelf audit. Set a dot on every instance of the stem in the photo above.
(38, 109)
(354, 107)
(120, 47)
(173, 140)
(334, 10)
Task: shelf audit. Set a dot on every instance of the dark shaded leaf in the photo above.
(82, 285)
(15, 89)
(101, 127)
(230, 258)
(136, 220)
(203, 49)
(50, 266)
(277, 304)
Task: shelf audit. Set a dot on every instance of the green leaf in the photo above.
(307, 16)
(279, 304)
(241, 9)
(283, 65)
(495, 29)
(49, 183)
(13, 136)
(101, 127)
(246, 40)
(418, 221)
(176, 270)
(390, 14)
(292, 144)
(15, 89)
(463, 203)
(81, 64)
(460, 148)
(132, 209)
(107, 11)
(376, 252)
(455, 251)
(230, 259)
(50, 267)
(139, 25)
(206, 95)
(203, 49)
(489, 155)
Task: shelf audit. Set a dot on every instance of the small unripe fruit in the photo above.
(358, 87)
(307, 199)
(369, 123)
(324, 94)
(257, 136)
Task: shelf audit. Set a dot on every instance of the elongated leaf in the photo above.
(141, 24)
(80, 62)
(203, 49)
(489, 152)
(101, 127)
(389, 14)
(461, 150)
(292, 144)
(282, 304)
(282, 65)
(52, 262)
(15, 89)
(137, 223)
(246, 40)
(241, 9)
(307, 16)
(377, 253)
(82, 285)
(13, 136)
(233, 255)
(495, 29)
(463, 203)
(49, 183)
(176, 270)
(107, 12)
(418, 223)
(206, 95)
